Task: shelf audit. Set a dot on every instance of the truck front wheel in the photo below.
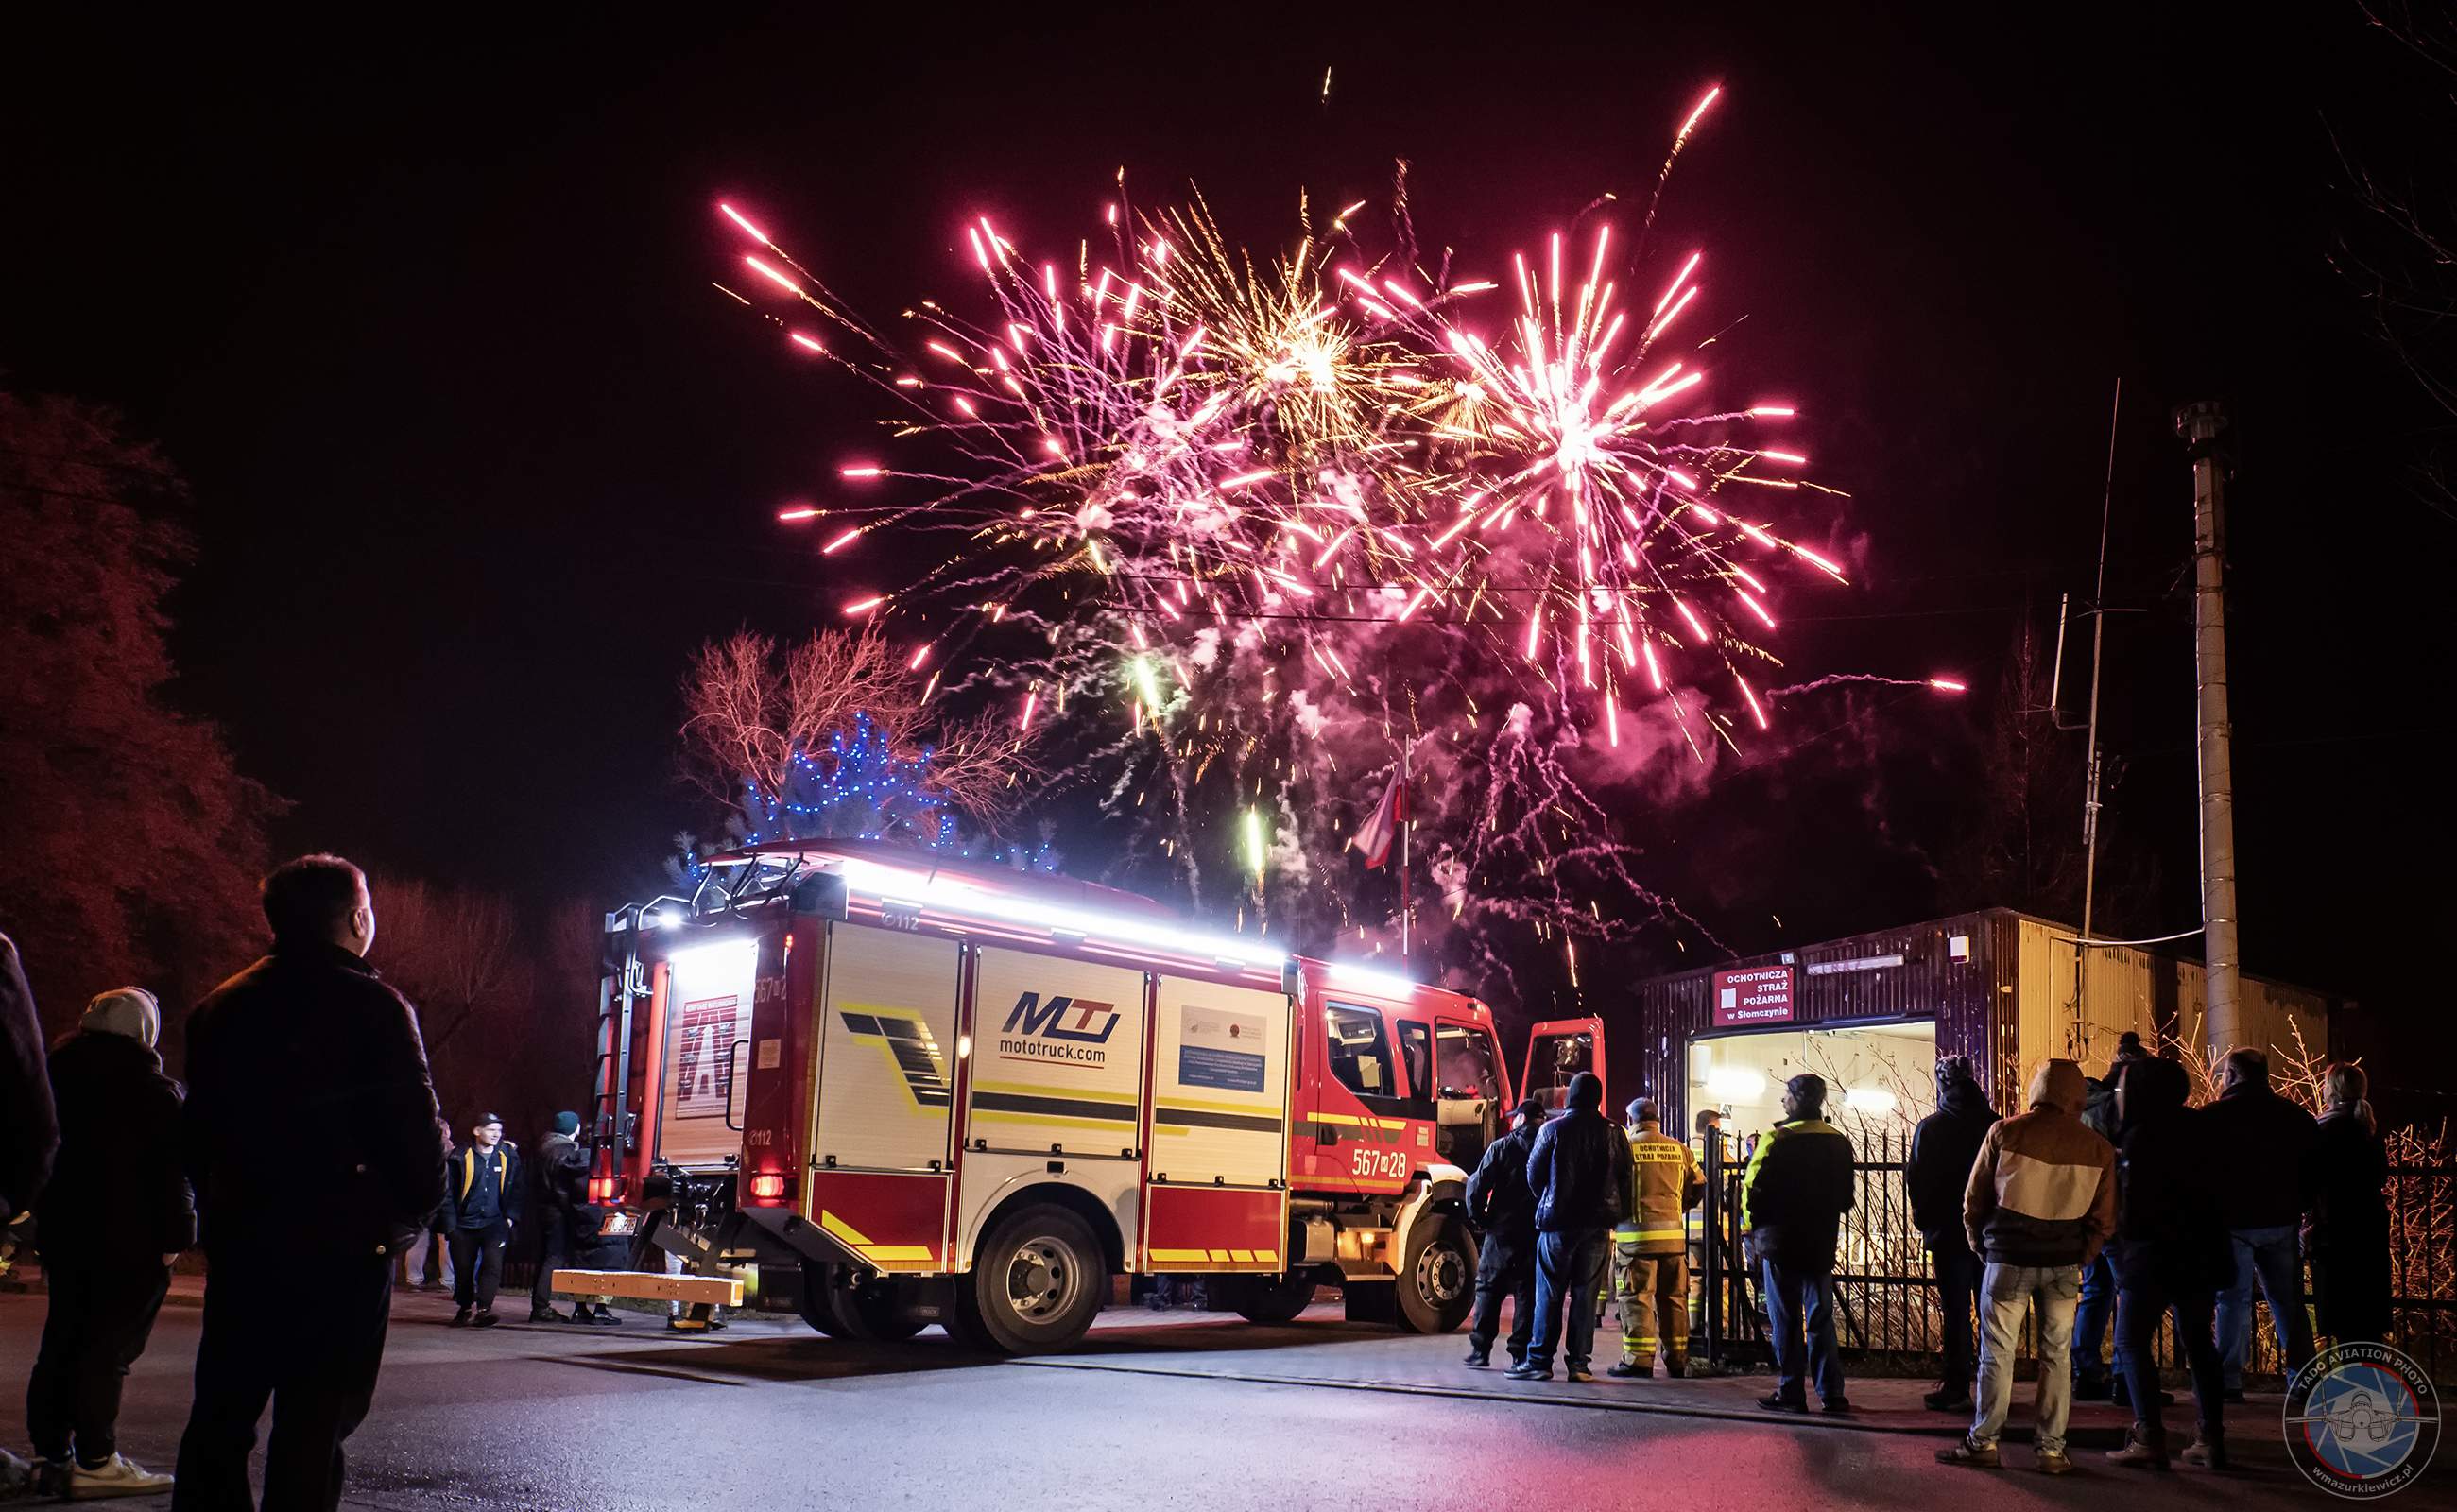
(1437, 1282)
(1036, 1281)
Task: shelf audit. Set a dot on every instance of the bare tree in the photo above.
(456, 951)
(752, 713)
(2401, 254)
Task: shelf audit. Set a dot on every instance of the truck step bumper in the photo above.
(649, 1286)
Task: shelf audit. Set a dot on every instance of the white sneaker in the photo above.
(117, 1476)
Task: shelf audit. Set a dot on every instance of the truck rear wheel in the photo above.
(1271, 1299)
(1035, 1282)
(819, 1299)
(1437, 1282)
(884, 1311)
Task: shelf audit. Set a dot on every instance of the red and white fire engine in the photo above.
(882, 1090)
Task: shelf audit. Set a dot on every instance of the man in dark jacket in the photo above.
(482, 1205)
(1792, 1201)
(1943, 1146)
(1579, 1171)
(1502, 1211)
(114, 1215)
(2039, 1206)
(562, 1182)
(2171, 1252)
(2349, 1235)
(30, 1130)
(2092, 1380)
(2263, 1186)
(311, 1138)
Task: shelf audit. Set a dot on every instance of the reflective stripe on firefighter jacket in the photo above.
(1665, 1183)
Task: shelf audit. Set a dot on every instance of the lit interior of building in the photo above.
(1880, 1077)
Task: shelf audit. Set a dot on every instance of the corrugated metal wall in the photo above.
(2009, 1005)
(1971, 1000)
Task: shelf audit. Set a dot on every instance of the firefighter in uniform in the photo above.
(1651, 1247)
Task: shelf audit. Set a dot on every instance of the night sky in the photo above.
(479, 456)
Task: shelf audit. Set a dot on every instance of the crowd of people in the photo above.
(306, 1192)
(2106, 1200)
(2115, 1200)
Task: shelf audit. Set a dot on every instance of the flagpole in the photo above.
(1405, 908)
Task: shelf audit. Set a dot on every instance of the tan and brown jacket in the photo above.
(2042, 1192)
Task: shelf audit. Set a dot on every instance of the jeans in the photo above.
(1568, 1266)
(427, 1244)
(101, 1315)
(2091, 1319)
(2137, 1331)
(477, 1255)
(1503, 1270)
(306, 1334)
(2271, 1258)
(2005, 1294)
(1958, 1283)
(1795, 1295)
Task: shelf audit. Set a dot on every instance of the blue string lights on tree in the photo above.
(856, 787)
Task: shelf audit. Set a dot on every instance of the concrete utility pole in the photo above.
(2199, 425)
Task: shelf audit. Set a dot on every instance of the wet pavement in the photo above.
(1178, 1410)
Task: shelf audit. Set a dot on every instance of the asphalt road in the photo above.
(1149, 1415)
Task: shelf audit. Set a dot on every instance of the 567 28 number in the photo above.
(1387, 1164)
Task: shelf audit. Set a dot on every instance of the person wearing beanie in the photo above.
(2039, 1208)
(1502, 1213)
(1943, 1146)
(114, 1215)
(1579, 1174)
(1797, 1188)
(561, 1195)
(1651, 1247)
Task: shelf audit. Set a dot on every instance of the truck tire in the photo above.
(819, 1299)
(1271, 1299)
(1035, 1282)
(1437, 1282)
(881, 1310)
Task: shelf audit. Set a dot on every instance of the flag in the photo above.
(1382, 826)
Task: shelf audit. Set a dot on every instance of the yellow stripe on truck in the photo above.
(830, 1223)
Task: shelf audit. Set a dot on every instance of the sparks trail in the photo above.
(1842, 679)
(1234, 527)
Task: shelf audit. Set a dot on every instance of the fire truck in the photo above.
(856, 1082)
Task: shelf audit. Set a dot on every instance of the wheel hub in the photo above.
(1441, 1275)
(1042, 1280)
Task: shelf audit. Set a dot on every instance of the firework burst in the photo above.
(1251, 531)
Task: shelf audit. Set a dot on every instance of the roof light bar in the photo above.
(933, 890)
(1365, 979)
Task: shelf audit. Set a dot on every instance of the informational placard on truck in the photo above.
(1221, 1049)
(1757, 995)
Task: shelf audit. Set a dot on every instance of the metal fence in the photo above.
(1887, 1301)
